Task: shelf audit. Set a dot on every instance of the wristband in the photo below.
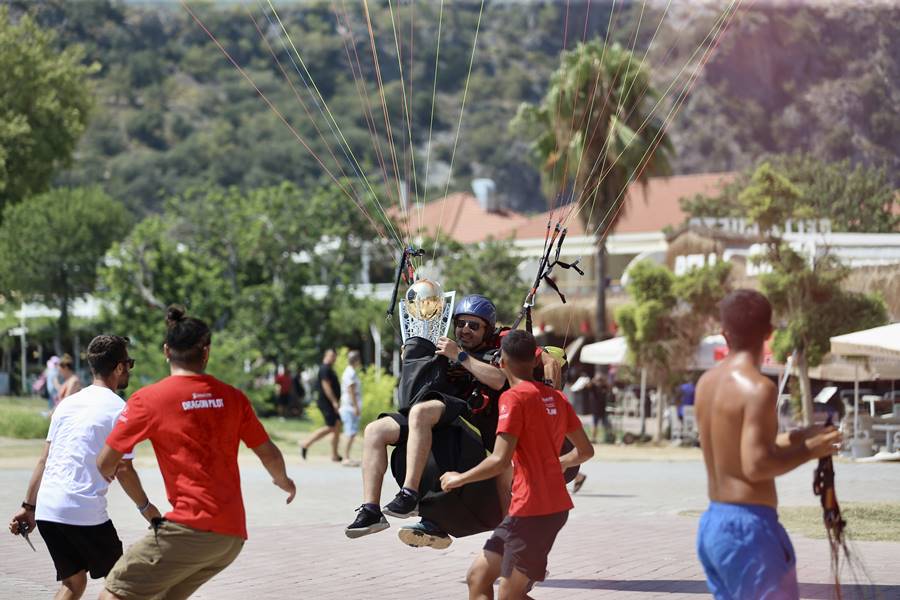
(28, 506)
(143, 508)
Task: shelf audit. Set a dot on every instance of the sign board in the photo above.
(17, 331)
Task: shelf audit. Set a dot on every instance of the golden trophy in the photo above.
(425, 311)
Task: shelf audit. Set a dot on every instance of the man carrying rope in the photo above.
(745, 551)
(66, 497)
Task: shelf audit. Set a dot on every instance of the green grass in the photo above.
(288, 430)
(876, 522)
(870, 522)
(21, 418)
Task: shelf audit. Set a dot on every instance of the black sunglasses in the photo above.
(472, 325)
(129, 362)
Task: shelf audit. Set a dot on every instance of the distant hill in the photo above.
(172, 113)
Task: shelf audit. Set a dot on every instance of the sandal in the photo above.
(579, 481)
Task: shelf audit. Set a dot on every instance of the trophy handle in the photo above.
(447, 313)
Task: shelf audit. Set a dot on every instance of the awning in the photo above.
(880, 342)
(613, 351)
(607, 352)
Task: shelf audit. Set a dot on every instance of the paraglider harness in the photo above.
(457, 443)
(460, 440)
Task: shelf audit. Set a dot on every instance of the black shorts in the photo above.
(453, 407)
(525, 542)
(76, 548)
(328, 412)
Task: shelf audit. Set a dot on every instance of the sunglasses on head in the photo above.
(472, 325)
(129, 362)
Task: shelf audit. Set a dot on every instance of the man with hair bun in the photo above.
(196, 424)
(745, 551)
(66, 497)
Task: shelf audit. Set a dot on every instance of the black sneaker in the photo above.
(424, 534)
(402, 506)
(367, 521)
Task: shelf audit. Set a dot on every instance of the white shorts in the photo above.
(350, 421)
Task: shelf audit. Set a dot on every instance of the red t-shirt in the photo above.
(539, 417)
(195, 423)
(284, 384)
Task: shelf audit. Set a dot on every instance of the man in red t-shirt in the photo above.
(534, 419)
(196, 424)
(285, 384)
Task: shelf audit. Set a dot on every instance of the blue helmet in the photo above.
(478, 306)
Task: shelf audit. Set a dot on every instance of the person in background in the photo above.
(283, 392)
(71, 382)
(328, 401)
(686, 397)
(298, 388)
(53, 382)
(351, 403)
(599, 393)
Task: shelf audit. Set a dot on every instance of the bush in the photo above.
(23, 423)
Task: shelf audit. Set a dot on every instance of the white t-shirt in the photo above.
(349, 377)
(72, 490)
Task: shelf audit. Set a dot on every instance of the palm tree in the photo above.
(594, 132)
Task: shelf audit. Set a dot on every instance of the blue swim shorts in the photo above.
(746, 553)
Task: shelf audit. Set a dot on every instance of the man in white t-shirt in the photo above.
(66, 497)
(351, 402)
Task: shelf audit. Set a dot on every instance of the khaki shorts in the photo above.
(171, 563)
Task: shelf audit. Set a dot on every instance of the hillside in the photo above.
(172, 113)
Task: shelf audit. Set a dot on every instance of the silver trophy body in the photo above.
(426, 311)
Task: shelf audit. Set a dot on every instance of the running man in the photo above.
(66, 497)
(351, 403)
(329, 391)
(534, 420)
(745, 551)
(195, 423)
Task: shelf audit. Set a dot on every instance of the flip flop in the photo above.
(579, 481)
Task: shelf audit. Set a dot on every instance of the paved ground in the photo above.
(624, 539)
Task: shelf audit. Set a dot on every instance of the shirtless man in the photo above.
(744, 550)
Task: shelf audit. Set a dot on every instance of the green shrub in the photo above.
(22, 423)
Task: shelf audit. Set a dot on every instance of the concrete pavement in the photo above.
(625, 538)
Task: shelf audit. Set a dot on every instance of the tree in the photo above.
(595, 133)
(44, 104)
(855, 198)
(667, 319)
(52, 244)
(271, 270)
(489, 269)
(805, 291)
